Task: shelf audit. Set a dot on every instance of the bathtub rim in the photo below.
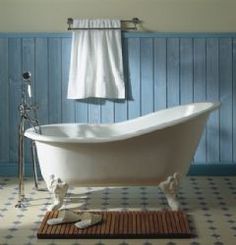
(29, 133)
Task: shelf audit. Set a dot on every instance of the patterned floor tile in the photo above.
(209, 201)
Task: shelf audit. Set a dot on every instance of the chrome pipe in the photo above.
(34, 160)
(21, 191)
(28, 115)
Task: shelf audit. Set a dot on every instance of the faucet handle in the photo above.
(35, 107)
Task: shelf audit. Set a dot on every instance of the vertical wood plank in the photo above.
(199, 92)
(226, 132)
(199, 70)
(81, 111)
(55, 83)
(160, 89)
(120, 110)
(213, 95)
(94, 110)
(41, 78)
(4, 101)
(68, 106)
(107, 111)
(146, 76)
(173, 72)
(28, 56)
(134, 77)
(234, 99)
(14, 64)
(186, 70)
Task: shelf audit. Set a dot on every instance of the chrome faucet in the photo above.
(27, 110)
(28, 114)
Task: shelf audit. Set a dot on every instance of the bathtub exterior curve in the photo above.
(142, 151)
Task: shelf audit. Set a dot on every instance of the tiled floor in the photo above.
(211, 203)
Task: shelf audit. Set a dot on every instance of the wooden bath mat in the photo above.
(125, 224)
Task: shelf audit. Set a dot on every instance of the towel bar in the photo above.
(134, 21)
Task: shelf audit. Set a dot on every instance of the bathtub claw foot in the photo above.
(170, 187)
(58, 189)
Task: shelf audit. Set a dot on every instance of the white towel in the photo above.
(96, 68)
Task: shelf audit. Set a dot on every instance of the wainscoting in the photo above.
(162, 70)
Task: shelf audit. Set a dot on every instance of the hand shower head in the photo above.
(26, 75)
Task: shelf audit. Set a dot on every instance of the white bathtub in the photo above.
(150, 150)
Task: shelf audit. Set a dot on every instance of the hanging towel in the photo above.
(96, 68)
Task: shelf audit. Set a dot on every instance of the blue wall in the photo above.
(162, 70)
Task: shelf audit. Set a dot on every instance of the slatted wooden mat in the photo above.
(128, 224)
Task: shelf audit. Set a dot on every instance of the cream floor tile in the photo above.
(210, 202)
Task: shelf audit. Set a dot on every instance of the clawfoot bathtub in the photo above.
(155, 149)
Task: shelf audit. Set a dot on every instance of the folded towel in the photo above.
(96, 68)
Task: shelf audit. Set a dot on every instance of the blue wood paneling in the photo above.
(212, 90)
(160, 84)
(68, 106)
(94, 111)
(161, 70)
(234, 100)
(4, 101)
(147, 76)
(134, 77)
(225, 76)
(41, 78)
(55, 80)
(173, 72)
(81, 111)
(186, 70)
(14, 68)
(199, 93)
(107, 112)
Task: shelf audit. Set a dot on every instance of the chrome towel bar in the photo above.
(135, 21)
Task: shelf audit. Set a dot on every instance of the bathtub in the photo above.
(155, 149)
